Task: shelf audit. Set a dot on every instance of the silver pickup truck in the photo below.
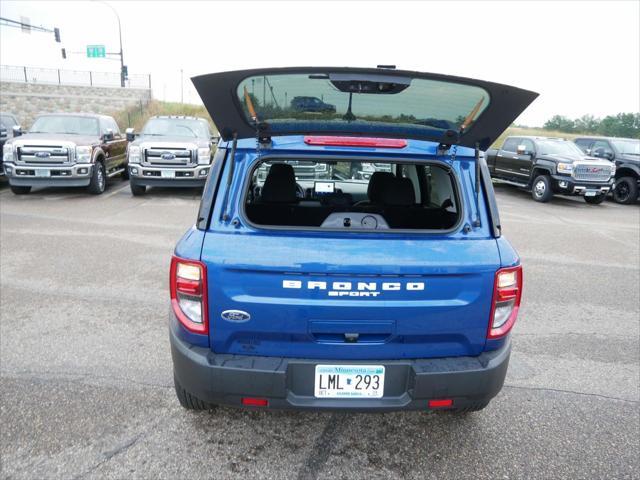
(171, 151)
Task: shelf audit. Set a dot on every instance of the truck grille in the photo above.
(592, 173)
(165, 157)
(44, 154)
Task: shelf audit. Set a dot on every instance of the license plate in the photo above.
(349, 381)
(42, 173)
(168, 173)
(590, 193)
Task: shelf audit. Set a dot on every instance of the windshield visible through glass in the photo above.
(334, 101)
(627, 147)
(176, 127)
(66, 124)
(559, 147)
(7, 121)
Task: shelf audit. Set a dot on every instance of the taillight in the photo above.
(188, 287)
(507, 292)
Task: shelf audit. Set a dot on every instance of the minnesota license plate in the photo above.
(42, 173)
(349, 381)
(167, 173)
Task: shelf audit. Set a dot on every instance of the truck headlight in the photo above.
(204, 156)
(83, 154)
(7, 153)
(565, 168)
(133, 154)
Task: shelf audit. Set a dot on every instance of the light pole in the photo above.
(181, 88)
(120, 35)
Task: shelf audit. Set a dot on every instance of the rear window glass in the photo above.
(354, 196)
(329, 101)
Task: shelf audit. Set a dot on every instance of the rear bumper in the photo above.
(567, 185)
(289, 382)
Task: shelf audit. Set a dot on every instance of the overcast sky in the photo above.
(582, 57)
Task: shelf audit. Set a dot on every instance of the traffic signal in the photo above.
(56, 33)
(64, 53)
(125, 72)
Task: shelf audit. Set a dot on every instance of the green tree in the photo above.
(620, 125)
(587, 124)
(559, 123)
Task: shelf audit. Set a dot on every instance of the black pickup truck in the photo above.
(625, 153)
(549, 166)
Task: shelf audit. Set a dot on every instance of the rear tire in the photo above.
(597, 200)
(189, 401)
(625, 191)
(541, 190)
(19, 190)
(98, 182)
(137, 190)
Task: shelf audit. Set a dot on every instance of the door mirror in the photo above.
(609, 155)
(131, 136)
(108, 135)
(17, 130)
(598, 152)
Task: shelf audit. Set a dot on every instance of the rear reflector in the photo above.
(507, 293)
(444, 402)
(255, 402)
(188, 288)
(355, 142)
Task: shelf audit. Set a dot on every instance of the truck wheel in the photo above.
(20, 190)
(541, 190)
(597, 200)
(98, 179)
(625, 190)
(125, 173)
(189, 401)
(137, 190)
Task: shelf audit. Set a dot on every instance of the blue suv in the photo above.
(392, 292)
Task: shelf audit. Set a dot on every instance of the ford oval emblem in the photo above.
(43, 154)
(237, 316)
(168, 156)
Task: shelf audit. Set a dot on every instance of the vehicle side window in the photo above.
(111, 123)
(511, 145)
(528, 145)
(584, 144)
(601, 146)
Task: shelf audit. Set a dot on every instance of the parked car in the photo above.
(393, 293)
(549, 166)
(311, 104)
(65, 150)
(7, 122)
(625, 153)
(171, 151)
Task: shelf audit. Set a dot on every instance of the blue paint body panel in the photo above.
(276, 276)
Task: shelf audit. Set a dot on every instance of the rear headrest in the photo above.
(280, 185)
(399, 192)
(377, 184)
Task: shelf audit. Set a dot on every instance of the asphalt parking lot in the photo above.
(86, 379)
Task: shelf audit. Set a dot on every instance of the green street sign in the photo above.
(96, 51)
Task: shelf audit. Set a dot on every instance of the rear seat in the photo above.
(391, 197)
